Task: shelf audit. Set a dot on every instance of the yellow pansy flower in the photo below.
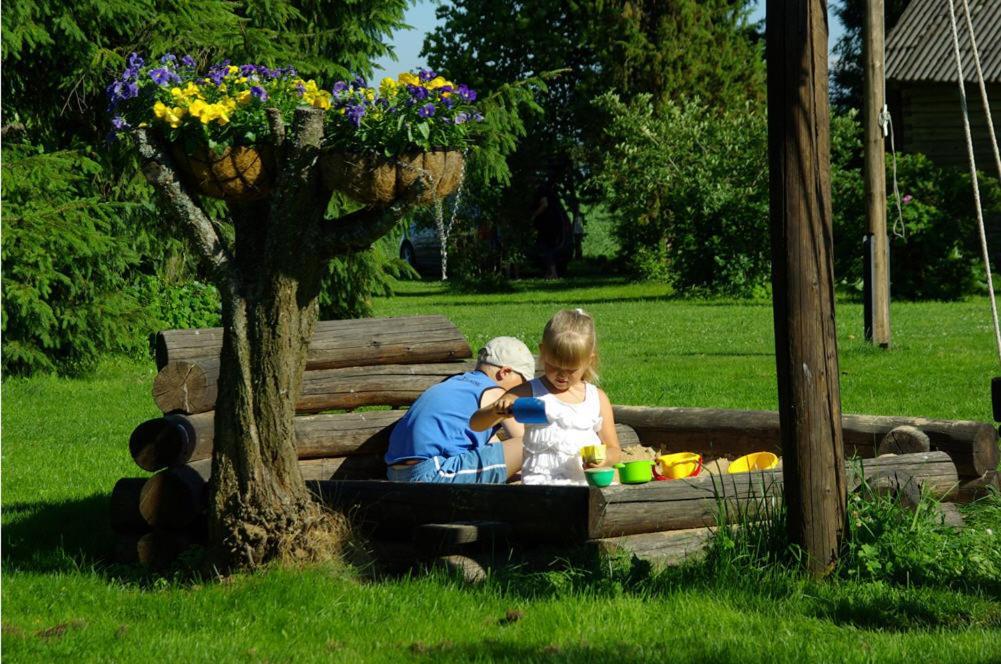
(192, 90)
(243, 98)
(159, 109)
(321, 99)
(407, 78)
(388, 86)
(197, 107)
(437, 82)
(233, 69)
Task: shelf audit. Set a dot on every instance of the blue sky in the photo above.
(421, 16)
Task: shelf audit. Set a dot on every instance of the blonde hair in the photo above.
(570, 341)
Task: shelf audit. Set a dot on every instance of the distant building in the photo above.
(922, 92)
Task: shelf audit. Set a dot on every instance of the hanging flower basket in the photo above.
(376, 180)
(239, 173)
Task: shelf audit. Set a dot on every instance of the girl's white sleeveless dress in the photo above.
(552, 451)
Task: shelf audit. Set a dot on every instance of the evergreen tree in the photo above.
(681, 48)
(846, 69)
(58, 57)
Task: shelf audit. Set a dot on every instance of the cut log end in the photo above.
(173, 498)
(185, 386)
(158, 443)
(904, 440)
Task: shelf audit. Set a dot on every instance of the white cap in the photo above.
(509, 352)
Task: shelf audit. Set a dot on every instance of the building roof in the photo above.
(920, 48)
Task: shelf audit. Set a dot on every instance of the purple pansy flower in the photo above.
(355, 113)
(426, 111)
(218, 73)
(360, 82)
(426, 75)
(417, 92)
(135, 62)
(119, 123)
(259, 92)
(163, 76)
(461, 117)
(168, 58)
(188, 61)
(339, 87)
(448, 101)
(465, 93)
(478, 117)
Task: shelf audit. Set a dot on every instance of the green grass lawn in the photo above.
(65, 444)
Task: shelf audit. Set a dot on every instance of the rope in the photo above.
(899, 229)
(983, 88)
(973, 174)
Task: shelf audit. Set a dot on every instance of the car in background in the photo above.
(421, 248)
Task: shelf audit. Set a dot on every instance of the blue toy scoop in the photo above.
(529, 410)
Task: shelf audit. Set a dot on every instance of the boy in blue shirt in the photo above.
(433, 441)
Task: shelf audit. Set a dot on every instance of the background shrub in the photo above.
(66, 253)
(938, 254)
(688, 189)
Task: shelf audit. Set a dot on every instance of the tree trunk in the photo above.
(260, 509)
(268, 276)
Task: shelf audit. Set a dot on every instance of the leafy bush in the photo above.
(65, 253)
(178, 306)
(886, 542)
(938, 256)
(688, 188)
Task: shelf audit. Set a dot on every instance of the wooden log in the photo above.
(126, 548)
(671, 547)
(904, 440)
(341, 343)
(190, 386)
(392, 510)
(970, 490)
(709, 500)
(177, 439)
(124, 509)
(715, 432)
(176, 497)
(187, 386)
(161, 547)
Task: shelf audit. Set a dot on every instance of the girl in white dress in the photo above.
(579, 412)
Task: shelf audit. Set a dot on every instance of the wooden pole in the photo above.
(877, 272)
(806, 350)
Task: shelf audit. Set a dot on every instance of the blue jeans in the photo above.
(484, 465)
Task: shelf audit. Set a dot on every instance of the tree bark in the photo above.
(269, 277)
(806, 351)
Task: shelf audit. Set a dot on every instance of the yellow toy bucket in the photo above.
(680, 464)
(754, 461)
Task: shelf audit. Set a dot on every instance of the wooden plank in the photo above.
(715, 432)
(713, 499)
(671, 547)
(341, 343)
(191, 386)
(551, 514)
(178, 439)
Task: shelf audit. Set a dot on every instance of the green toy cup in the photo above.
(635, 472)
(599, 476)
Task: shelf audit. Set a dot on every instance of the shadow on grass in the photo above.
(57, 537)
(506, 651)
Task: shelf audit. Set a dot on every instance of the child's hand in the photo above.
(503, 405)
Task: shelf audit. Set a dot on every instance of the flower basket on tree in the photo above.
(253, 136)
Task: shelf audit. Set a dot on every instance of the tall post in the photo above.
(806, 351)
(877, 247)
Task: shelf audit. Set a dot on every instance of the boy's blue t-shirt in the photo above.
(438, 422)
